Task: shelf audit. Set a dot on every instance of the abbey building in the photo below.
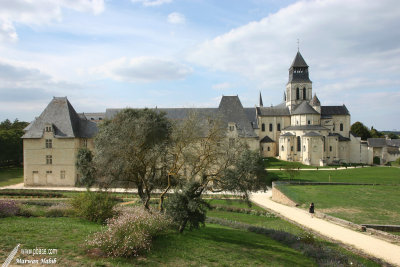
(298, 129)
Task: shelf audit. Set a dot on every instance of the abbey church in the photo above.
(298, 129)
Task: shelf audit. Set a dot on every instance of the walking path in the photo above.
(319, 169)
(369, 244)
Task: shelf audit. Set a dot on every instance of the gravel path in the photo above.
(369, 244)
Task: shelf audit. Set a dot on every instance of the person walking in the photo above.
(311, 209)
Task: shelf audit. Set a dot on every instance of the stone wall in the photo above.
(279, 197)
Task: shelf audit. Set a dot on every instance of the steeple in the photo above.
(261, 102)
(298, 71)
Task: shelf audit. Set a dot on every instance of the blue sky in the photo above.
(176, 53)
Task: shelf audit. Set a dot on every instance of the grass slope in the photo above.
(381, 175)
(9, 176)
(358, 204)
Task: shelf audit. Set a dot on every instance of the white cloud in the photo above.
(144, 69)
(39, 12)
(152, 2)
(176, 18)
(337, 42)
(222, 86)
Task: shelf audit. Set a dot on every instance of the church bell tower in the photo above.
(299, 86)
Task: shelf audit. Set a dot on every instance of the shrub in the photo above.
(8, 208)
(131, 233)
(94, 206)
(26, 193)
(59, 210)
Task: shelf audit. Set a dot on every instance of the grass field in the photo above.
(9, 176)
(358, 204)
(381, 175)
(213, 245)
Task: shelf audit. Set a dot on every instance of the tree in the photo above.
(11, 149)
(130, 150)
(85, 167)
(360, 130)
(375, 133)
(211, 161)
(393, 136)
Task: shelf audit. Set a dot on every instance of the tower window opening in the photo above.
(304, 93)
(298, 143)
(270, 127)
(263, 127)
(279, 126)
(341, 127)
(297, 93)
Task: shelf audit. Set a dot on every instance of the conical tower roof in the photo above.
(299, 61)
(315, 101)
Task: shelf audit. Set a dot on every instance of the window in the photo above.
(84, 142)
(263, 127)
(304, 148)
(330, 148)
(298, 143)
(279, 126)
(291, 148)
(341, 127)
(270, 127)
(268, 149)
(309, 122)
(282, 148)
(49, 143)
(323, 139)
(297, 122)
(49, 172)
(297, 93)
(48, 129)
(49, 159)
(231, 128)
(304, 93)
(62, 174)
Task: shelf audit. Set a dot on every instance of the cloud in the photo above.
(336, 42)
(40, 12)
(222, 86)
(176, 18)
(152, 2)
(143, 69)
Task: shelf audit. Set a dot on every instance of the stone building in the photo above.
(298, 129)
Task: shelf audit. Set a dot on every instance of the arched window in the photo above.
(282, 148)
(304, 93)
(279, 126)
(270, 127)
(341, 127)
(298, 143)
(330, 148)
(297, 93)
(263, 127)
(268, 149)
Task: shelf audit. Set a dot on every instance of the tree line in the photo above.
(11, 148)
(364, 132)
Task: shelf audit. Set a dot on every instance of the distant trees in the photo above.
(362, 131)
(11, 143)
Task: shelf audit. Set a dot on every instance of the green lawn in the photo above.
(213, 245)
(238, 203)
(275, 163)
(358, 204)
(381, 175)
(9, 176)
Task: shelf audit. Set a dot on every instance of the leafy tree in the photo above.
(85, 167)
(360, 130)
(11, 149)
(130, 150)
(186, 207)
(375, 133)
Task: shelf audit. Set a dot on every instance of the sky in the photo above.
(188, 53)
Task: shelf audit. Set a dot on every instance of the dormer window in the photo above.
(49, 129)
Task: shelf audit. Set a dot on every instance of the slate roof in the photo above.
(94, 116)
(311, 134)
(65, 121)
(279, 110)
(298, 61)
(287, 134)
(305, 127)
(328, 111)
(382, 142)
(266, 139)
(304, 108)
(341, 137)
(230, 110)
